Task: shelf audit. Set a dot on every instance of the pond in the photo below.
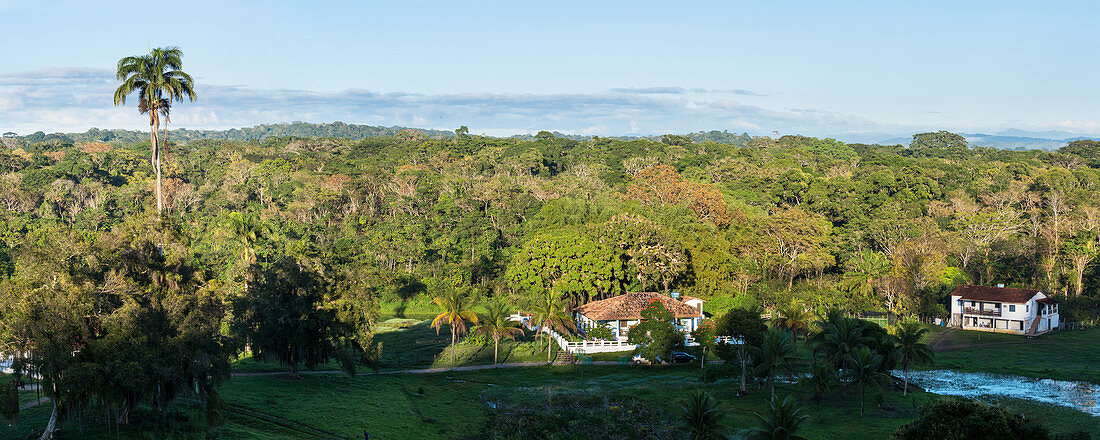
(1083, 396)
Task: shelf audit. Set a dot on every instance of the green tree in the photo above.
(495, 323)
(159, 80)
(746, 327)
(910, 349)
(951, 419)
(940, 139)
(782, 422)
(794, 317)
(774, 355)
(455, 310)
(655, 334)
(285, 316)
(702, 418)
(863, 371)
(706, 336)
(549, 313)
(839, 337)
(245, 230)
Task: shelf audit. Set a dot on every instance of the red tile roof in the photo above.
(1000, 294)
(630, 305)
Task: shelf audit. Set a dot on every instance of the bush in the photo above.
(600, 332)
(961, 419)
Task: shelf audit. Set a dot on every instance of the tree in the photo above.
(548, 313)
(567, 263)
(702, 418)
(951, 418)
(823, 377)
(839, 337)
(159, 80)
(496, 324)
(245, 230)
(863, 371)
(910, 349)
(706, 335)
(655, 334)
(795, 318)
(774, 355)
(746, 327)
(940, 139)
(455, 310)
(285, 316)
(1080, 251)
(782, 422)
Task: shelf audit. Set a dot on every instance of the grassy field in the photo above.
(1064, 355)
(411, 343)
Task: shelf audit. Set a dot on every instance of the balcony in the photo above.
(990, 312)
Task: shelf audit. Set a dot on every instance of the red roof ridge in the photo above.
(630, 305)
(990, 293)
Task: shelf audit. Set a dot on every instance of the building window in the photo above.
(1011, 308)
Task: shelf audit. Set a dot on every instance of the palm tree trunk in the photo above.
(154, 128)
(771, 385)
(454, 338)
(548, 339)
(496, 350)
(905, 388)
(861, 400)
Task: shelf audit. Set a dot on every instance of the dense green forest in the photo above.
(291, 244)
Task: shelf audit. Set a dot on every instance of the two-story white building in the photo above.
(1003, 310)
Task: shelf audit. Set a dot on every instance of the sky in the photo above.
(851, 70)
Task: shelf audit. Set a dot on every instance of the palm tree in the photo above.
(548, 314)
(910, 350)
(245, 230)
(496, 324)
(158, 80)
(774, 355)
(781, 423)
(455, 310)
(702, 418)
(863, 370)
(795, 318)
(823, 377)
(839, 337)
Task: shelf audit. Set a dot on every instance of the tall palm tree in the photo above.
(158, 80)
(910, 349)
(774, 355)
(794, 317)
(702, 418)
(496, 324)
(455, 310)
(782, 422)
(863, 371)
(548, 313)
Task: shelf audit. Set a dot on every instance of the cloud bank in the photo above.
(75, 99)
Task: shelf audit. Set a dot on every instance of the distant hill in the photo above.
(1008, 140)
(297, 129)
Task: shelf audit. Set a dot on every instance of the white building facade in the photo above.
(1004, 310)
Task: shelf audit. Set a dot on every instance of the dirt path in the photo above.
(29, 405)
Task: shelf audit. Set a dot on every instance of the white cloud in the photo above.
(75, 99)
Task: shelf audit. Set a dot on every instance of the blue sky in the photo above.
(851, 70)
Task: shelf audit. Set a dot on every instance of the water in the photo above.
(1083, 396)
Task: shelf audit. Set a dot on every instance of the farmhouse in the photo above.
(1003, 310)
(623, 311)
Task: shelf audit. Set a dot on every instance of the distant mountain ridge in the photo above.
(1010, 140)
(295, 129)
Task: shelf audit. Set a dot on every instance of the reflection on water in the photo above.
(1082, 396)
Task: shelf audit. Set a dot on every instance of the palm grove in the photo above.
(132, 272)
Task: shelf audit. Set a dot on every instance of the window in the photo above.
(1011, 307)
(960, 303)
(971, 303)
(1027, 308)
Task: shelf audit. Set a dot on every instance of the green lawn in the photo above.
(454, 405)
(1064, 355)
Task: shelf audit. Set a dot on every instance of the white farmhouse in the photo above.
(1003, 310)
(624, 311)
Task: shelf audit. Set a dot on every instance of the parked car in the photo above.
(679, 357)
